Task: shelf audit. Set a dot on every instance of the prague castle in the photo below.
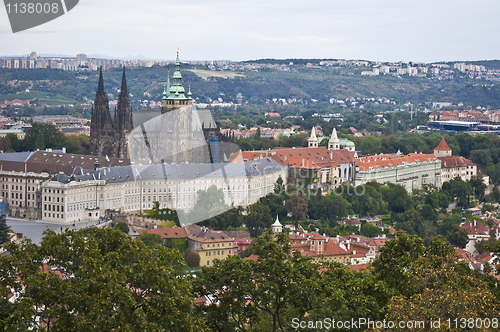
(178, 134)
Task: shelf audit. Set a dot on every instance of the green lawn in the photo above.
(210, 73)
(42, 97)
(24, 96)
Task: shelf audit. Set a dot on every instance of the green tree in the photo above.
(258, 219)
(4, 230)
(112, 283)
(441, 286)
(229, 218)
(394, 263)
(297, 206)
(40, 143)
(396, 197)
(150, 239)
(457, 236)
(120, 225)
(370, 202)
(192, 259)
(210, 204)
(370, 145)
(478, 186)
(267, 293)
(332, 207)
(370, 230)
(279, 186)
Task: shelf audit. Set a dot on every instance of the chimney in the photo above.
(331, 155)
(354, 252)
(358, 239)
(348, 246)
(474, 222)
(63, 150)
(303, 162)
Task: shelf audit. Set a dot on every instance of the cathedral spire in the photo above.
(100, 87)
(124, 83)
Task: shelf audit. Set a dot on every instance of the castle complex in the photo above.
(179, 134)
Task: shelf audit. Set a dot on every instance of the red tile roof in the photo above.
(252, 257)
(360, 267)
(204, 235)
(166, 233)
(242, 156)
(331, 248)
(464, 255)
(484, 257)
(455, 161)
(442, 146)
(313, 157)
(391, 160)
(476, 227)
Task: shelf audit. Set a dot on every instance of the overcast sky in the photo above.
(383, 30)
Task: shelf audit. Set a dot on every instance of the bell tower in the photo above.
(313, 140)
(334, 142)
(174, 94)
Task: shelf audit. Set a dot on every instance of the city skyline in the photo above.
(387, 30)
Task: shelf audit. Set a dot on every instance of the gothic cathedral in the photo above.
(109, 137)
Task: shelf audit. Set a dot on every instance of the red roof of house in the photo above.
(204, 235)
(360, 267)
(464, 255)
(484, 257)
(331, 248)
(442, 146)
(242, 156)
(478, 229)
(295, 238)
(455, 161)
(315, 236)
(353, 222)
(166, 233)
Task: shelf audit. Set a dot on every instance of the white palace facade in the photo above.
(131, 189)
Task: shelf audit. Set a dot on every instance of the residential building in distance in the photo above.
(209, 244)
(476, 231)
(320, 248)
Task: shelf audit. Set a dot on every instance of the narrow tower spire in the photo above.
(124, 83)
(100, 86)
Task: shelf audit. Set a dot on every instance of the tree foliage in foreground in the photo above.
(266, 294)
(107, 282)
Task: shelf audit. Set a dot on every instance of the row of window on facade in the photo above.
(219, 252)
(6, 186)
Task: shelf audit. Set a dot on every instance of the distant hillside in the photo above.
(252, 86)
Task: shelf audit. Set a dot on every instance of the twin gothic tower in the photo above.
(184, 136)
(109, 137)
